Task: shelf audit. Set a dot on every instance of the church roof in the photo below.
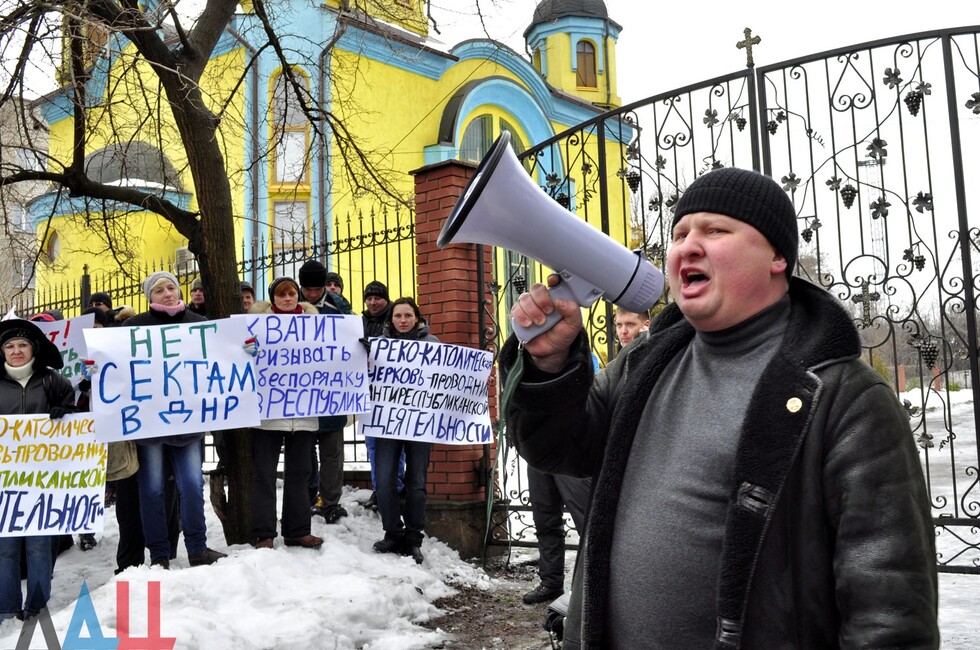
(131, 162)
(548, 10)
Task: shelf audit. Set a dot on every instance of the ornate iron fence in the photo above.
(361, 248)
(874, 144)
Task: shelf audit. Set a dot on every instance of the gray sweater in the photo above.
(670, 522)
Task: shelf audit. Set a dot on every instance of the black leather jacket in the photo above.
(829, 539)
(44, 389)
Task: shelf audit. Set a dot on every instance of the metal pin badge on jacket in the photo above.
(794, 404)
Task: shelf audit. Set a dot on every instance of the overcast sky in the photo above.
(666, 45)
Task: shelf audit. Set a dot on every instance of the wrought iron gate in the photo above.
(875, 144)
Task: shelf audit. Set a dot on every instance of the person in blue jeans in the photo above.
(167, 308)
(403, 522)
(375, 315)
(28, 385)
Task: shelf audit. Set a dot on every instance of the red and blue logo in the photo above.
(85, 620)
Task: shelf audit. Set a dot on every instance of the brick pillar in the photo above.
(452, 293)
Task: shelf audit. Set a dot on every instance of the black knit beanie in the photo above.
(19, 333)
(312, 275)
(750, 197)
(375, 288)
(334, 277)
(101, 296)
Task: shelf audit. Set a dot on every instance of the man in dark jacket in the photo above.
(756, 483)
(376, 308)
(103, 302)
(327, 481)
(198, 303)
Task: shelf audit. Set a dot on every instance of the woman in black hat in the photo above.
(29, 385)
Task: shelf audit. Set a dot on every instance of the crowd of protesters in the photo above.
(163, 499)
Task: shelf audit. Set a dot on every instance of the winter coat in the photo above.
(154, 317)
(828, 536)
(338, 301)
(286, 424)
(45, 388)
(419, 333)
(374, 325)
(331, 303)
(120, 316)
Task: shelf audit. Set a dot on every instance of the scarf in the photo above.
(21, 374)
(169, 311)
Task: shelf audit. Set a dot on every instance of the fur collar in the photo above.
(265, 307)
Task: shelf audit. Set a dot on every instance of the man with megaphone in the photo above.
(756, 484)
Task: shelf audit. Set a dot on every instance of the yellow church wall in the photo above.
(395, 114)
(397, 123)
(404, 119)
(122, 117)
(409, 14)
(610, 71)
(384, 108)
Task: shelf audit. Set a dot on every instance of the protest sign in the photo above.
(428, 392)
(163, 380)
(52, 475)
(309, 365)
(68, 337)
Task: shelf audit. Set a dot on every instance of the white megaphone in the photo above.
(502, 206)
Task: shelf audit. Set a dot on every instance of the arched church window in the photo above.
(477, 139)
(480, 135)
(290, 130)
(52, 246)
(289, 191)
(585, 75)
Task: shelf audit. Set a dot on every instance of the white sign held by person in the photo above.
(163, 380)
(428, 392)
(52, 475)
(68, 338)
(309, 364)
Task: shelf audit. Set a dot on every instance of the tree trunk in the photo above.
(213, 242)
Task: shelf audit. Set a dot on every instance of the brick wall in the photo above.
(451, 293)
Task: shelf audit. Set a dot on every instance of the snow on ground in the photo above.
(345, 595)
(342, 596)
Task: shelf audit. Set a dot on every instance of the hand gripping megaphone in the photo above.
(502, 206)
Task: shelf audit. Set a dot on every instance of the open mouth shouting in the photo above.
(692, 279)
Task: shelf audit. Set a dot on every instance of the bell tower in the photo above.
(573, 46)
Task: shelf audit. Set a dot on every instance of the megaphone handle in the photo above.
(563, 291)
